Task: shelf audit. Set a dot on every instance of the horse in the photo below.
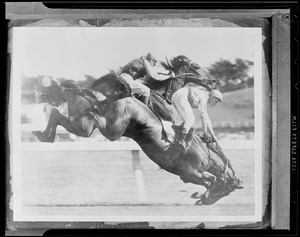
(119, 114)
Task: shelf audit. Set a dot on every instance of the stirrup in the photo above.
(206, 139)
(182, 142)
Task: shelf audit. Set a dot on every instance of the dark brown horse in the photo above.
(120, 114)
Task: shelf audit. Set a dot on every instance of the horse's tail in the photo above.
(112, 86)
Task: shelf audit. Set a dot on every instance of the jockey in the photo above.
(186, 98)
(186, 71)
(141, 68)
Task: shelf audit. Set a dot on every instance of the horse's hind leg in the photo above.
(83, 127)
(47, 134)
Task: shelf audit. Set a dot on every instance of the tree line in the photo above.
(233, 76)
(230, 75)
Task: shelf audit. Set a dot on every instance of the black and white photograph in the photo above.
(136, 124)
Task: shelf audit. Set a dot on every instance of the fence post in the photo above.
(138, 175)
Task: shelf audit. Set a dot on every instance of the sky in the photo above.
(73, 52)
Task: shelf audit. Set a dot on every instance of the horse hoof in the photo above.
(41, 136)
(36, 133)
(196, 195)
(238, 184)
(199, 202)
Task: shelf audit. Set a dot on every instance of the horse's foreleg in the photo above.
(196, 177)
(205, 179)
(212, 179)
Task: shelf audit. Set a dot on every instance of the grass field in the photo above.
(103, 183)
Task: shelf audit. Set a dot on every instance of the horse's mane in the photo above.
(112, 85)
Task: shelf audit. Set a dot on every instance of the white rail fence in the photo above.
(107, 145)
(111, 146)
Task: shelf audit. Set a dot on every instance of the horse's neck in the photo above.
(144, 124)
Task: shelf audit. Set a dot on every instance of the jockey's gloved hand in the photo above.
(206, 138)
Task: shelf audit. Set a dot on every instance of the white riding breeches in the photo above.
(180, 100)
(136, 86)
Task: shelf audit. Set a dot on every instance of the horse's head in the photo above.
(190, 71)
(197, 73)
(51, 91)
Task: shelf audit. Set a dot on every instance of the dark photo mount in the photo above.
(277, 26)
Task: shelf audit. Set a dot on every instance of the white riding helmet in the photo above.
(216, 94)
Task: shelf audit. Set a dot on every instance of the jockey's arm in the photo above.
(206, 123)
(157, 73)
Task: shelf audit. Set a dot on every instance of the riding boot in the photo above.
(180, 137)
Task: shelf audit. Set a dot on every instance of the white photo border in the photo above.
(16, 154)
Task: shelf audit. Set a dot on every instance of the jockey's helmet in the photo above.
(216, 94)
(182, 59)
